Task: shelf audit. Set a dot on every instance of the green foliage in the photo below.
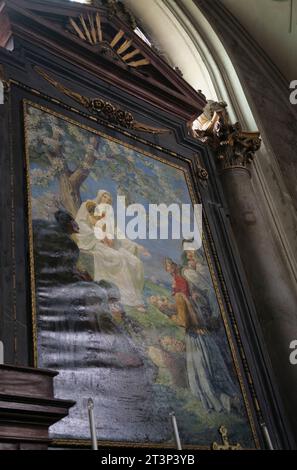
(156, 289)
(153, 319)
(138, 178)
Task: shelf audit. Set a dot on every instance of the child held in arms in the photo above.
(101, 216)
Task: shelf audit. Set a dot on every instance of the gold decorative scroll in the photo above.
(103, 109)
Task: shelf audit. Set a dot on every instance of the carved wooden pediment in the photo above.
(101, 38)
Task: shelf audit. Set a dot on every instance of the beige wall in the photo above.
(268, 21)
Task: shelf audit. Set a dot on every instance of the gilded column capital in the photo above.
(234, 147)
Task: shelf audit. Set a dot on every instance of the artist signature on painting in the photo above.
(149, 459)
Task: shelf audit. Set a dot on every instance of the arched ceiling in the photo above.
(272, 23)
(180, 43)
(183, 34)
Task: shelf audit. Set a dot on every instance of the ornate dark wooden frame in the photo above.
(22, 82)
(179, 162)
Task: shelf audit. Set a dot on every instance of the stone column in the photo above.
(270, 283)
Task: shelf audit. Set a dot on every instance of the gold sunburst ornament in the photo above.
(88, 28)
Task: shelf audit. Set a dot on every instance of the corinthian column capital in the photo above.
(234, 147)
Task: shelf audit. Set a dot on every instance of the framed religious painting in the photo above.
(137, 323)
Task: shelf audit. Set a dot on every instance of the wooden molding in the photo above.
(28, 407)
(142, 74)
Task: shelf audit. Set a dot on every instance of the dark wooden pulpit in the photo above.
(28, 407)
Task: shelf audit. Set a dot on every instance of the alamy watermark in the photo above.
(153, 221)
(293, 354)
(293, 94)
(293, 344)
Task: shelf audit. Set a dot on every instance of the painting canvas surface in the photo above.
(133, 324)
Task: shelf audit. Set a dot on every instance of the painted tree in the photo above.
(60, 156)
(64, 153)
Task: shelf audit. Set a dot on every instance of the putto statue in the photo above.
(233, 146)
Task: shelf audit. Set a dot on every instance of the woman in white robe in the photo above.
(115, 260)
